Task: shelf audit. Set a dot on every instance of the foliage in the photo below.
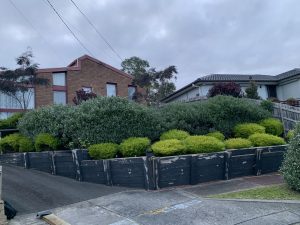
(103, 150)
(225, 112)
(18, 83)
(251, 91)
(191, 117)
(267, 105)
(244, 130)
(15, 143)
(290, 135)
(292, 101)
(168, 147)
(82, 95)
(134, 146)
(230, 89)
(11, 122)
(174, 134)
(237, 143)
(217, 134)
(265, 140)
(51, 119)
(291, 163)
(203, 144)
(273, 99)
(45, 142)
(157, 84)
(273, 126)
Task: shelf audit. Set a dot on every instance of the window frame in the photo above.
(116, 89)
(57, 91)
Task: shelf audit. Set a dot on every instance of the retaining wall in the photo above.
(151, 172)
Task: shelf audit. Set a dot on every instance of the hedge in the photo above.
(45, 142)
(237, 143)
(103, 150)
(174, 134)
(217, 134)
(168, 147)
(15, 143)
(273, 126)
(246, 129)
(11, 122)
(203, 144)
(266, 140)
(134, 146)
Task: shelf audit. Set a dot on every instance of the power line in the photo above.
(97, 31)
(74, 35)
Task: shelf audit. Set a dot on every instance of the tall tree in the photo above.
(157, 84)
(19, 83)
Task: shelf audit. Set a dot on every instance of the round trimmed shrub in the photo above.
(203, 144)
(25, 144)
(134, 146)
(237, 143)
(174, 134)
(103, 151)
(217, 134)
(290, 135)
(290, 168)
(266, 140)
(45, 142)
(244, 130)
(273, 126)
(10, 143)
(168, 147)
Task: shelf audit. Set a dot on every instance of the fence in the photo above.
(151, 172)
(289, 115)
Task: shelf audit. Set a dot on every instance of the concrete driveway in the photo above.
(32, 191)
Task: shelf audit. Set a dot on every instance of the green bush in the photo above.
(11, 122)
(174, 134)
(225, 112)
(273, 126)
(203, 144)
(168, 147)
(217, 134)
(290, 168)
(15, 143)
(244, 130)
(267, 105)
(237, 143)
(45, 142)
(290, 135)
(134, 146)
(103, 150)
(266, 140)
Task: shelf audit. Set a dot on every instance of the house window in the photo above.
(9, 102)
(59, 79)
(87, 89)
(59, 97)
(131, 92)
(111, 89)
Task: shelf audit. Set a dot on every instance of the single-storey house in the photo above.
(282, 86)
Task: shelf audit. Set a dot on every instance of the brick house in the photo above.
(85, 73)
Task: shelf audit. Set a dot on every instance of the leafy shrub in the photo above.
(273, 126)
(174, 134)
(225, 112)
(45, 142)
(290, 135)
(273, 99)
(266, 140)
(230, 88)
(168, 147)
(217, 134)
(134, 146)
(15, 143)
(251, 91)
(103, 150)
(237, 143)
(191, 117)
(203, 144)
(11, 122)
(244, 130)
(291, 164)
(292, 101)
(267, 105)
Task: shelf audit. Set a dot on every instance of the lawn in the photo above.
(274, 192)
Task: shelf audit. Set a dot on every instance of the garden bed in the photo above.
(151, 172)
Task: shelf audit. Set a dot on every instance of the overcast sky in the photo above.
(199, 37)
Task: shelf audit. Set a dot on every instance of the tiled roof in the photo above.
(237, 77)
(288, 74)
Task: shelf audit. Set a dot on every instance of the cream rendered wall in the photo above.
(290, 90)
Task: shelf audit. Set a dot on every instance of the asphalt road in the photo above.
(30, 191)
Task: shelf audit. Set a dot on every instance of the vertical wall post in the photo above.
(77, 158)
(193, 169)
(149, 165)
(227, 167)
(26, 160)
(258, 164)
(107, 171)
(52, 162)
